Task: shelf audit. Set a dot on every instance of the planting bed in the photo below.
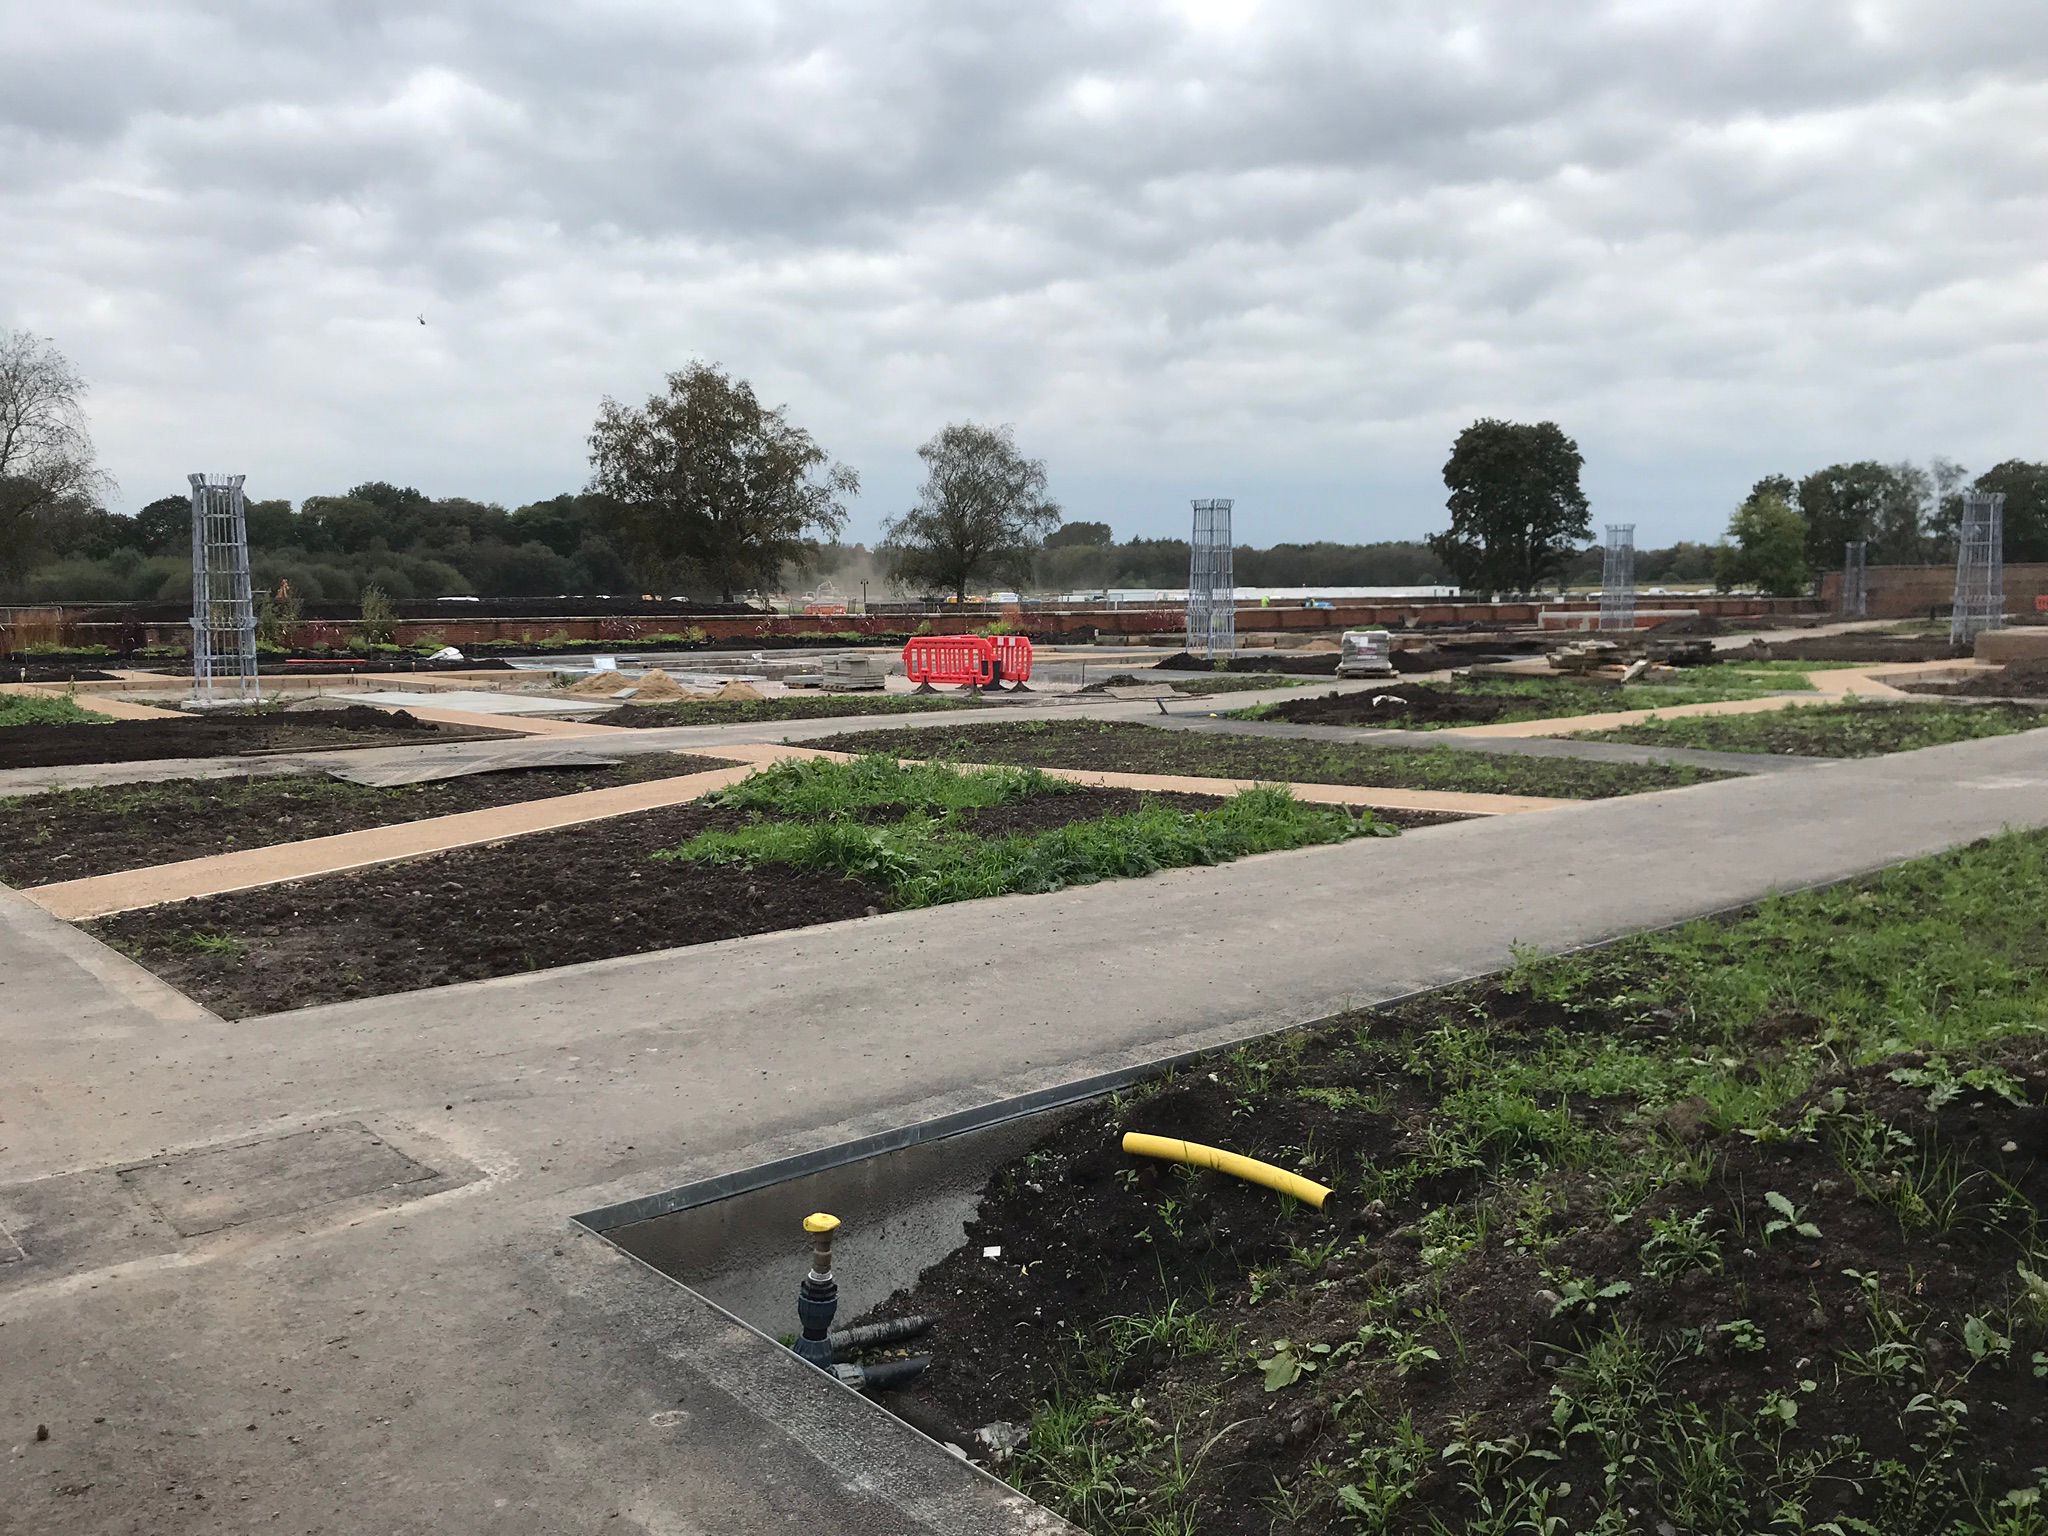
(19, 711)
(1198, 687)
(223, 735)
(809, 841)
(1486, 700)
(790, 707)
(2016, 680)
(1119, 747)
(1854, 729)
(1732, 1229)
(72, 833)
(1860, 648)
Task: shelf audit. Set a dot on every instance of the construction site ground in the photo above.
(316, 1270)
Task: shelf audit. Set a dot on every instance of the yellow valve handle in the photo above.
(818, 1222)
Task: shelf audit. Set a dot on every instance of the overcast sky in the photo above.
(1280, 252)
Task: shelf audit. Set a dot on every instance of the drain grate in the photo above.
(219, 1187)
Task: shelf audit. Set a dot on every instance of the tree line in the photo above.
(703, 489)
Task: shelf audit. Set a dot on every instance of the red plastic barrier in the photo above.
(967, 661)
(1013, 653)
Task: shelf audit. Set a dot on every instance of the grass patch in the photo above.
(791, 707)
(1732, 1228)
(1853, 729)
(1123, 747)
(45, 709)
(927, 858)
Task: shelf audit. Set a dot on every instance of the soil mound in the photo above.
(1397, 704)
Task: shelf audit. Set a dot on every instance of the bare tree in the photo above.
(46, 458)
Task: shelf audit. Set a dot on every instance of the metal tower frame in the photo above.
(1212, 586)
(1980, 567)
(1618, 578)
(1855, 591)
(223, 612)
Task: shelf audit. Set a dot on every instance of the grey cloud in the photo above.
(1289, 246)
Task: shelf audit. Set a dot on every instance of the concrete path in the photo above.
(461, 1359)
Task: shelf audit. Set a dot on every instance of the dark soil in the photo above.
(2015, 680)
(73, 833)
(1401, 704)
(223, 735)
(1198, 687)
(589, 892)
(555, 898)
(52, 672)
(798, 706)
(1089, 1235)
(1292, 663)
(1852, 647)
(1124, 747)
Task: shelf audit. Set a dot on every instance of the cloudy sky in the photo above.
(1281, 252)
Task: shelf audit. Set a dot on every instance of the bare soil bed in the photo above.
(223, 735)
(1855, 728)
(554, 898)
(1294, 663)
(70, 834)
(1696, 1234)
(1122, 747)
(796, 706)
(2015, 680)
(1856, 648)
(1400, 704)
(1199, 687)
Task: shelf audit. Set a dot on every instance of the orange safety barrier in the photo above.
(967, 661)
(1013, 657)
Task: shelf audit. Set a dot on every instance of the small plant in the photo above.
(1787, 1217)
(1743, 1336)
(1288, 1364)
(1580, 1296)
(379, 621)
(1680, 1246)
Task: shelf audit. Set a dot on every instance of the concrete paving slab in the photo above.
(476, 701)
(470, 1362)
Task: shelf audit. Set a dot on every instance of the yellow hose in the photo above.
(1238, 1166)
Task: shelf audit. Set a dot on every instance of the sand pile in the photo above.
(603, 683)
(655, 686)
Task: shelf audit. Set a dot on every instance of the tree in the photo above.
(1080, 536)
(1947, 477)
(982, 512)
(1841, 504)
(1516, 508)
(2026, 506)
(46, 457)
(1767, 548)
(705, 480)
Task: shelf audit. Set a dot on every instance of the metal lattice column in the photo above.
(1855, 591)
(1212, 586)
(1618, 578)
(1980, 567)
(223, 614)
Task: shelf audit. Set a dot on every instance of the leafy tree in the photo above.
(1766, 548)
(164, 527)
(1080, 535)
(1516, 508)
(2026, 506)
(46, 455)
(1841, 504)
(982, 512)
(1900, 537)
(1781, 486)
(705, 479)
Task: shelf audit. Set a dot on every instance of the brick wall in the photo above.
(1912, 591)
